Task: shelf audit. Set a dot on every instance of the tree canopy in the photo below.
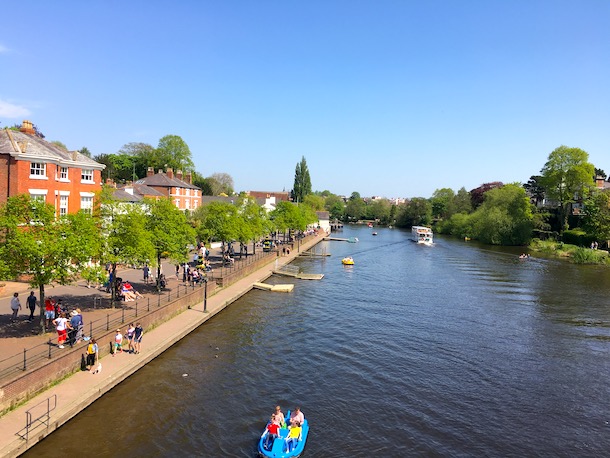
(302, 181)
(566, 174)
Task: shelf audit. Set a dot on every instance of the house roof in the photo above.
(31, 148)
(140, 191)
(162, 180)
(323, 215)
(208, 199)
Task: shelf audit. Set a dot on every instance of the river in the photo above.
(453, 350)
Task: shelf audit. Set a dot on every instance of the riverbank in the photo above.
(70, 396)
(576, 254)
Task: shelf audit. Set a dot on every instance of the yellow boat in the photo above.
(349, 261)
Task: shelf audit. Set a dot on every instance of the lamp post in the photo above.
(205, 295)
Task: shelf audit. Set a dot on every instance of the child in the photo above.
(118, 342)
(294, 436)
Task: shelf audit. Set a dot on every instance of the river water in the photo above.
(452, 350)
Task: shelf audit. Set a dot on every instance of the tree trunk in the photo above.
(43, 321)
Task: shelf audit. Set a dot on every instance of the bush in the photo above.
(577, 237)
(588, 256)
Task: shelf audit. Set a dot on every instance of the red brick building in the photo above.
(178, 187)
(31, 165)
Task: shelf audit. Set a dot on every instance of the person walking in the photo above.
(62, 325)
(15, 306)
(31, 301)
(137, 338)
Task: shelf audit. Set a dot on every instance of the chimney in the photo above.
(179, 174)
(189, 177)
(74, 155)
(599, 182)
(150, 172)
(27, 128)
(170, 172)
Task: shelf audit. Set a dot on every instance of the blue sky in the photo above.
(391, 97)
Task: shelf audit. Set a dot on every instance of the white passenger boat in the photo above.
(422, 234)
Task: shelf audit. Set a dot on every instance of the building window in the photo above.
(63, 173)
(38, 170)
(86, 203)
(87, 175)
(38, 197)
(63, 205)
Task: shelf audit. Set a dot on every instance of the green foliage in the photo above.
(442, 203)
(173, 152)
(302, 181)
(290, 216)
(46, 249)
(462, 202)
(577, 237)
(379, 210)
(417, 212)
(566, 174)
(356, 208)
(458, 225)
(220, 183)
(216, 222)
(588, 256)
(314, 202)
(596, 219)
(335, 206)
(94, 274)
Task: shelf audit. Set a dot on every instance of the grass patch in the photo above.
(578, 255)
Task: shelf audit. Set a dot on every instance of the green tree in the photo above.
(85, 151)
(302, 181)
(356, 208)
(566, 175)
(462, 202)
(335, 206)
(315, 202)
(442, 203)
(169, 231)
(379, 210)
(505, 217)
(417, 212)
(596, 220)
(216, 222)
(173, 152)
(60, 144)
(46, 249)
(125, 237)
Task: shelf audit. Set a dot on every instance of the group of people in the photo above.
(277, 422)
(133, 337)
(69, 327)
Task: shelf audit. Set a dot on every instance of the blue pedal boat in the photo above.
(279, 447)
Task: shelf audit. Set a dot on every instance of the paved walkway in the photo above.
(81, 389)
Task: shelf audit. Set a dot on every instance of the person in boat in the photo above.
(279, 416)
(294, 436)
(273, 431)
(296, 416)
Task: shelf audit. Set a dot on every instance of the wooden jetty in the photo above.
(275, 288)
(294, 272)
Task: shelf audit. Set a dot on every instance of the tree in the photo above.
(85, 151)
(442, 203)
(462, 202)
(477, 195)
(46, 249)
(417, 212)
(596, 220)
(125, 238)
(315, 202)
(302, 181)
(221, 183)
(335, 206)
(565, 176)
(170, 234)
(379, 210)
(535, 189)
(600, 173)
(173, 152)
(505, 217)
(355, 208)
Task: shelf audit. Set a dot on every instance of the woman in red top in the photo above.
(273, 431)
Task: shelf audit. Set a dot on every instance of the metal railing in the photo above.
(43, 418)
(36, 356)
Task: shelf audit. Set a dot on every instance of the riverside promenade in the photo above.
(74, 393)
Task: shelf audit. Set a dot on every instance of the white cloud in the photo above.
(9, 110)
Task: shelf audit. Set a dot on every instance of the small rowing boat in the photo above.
(280, 445)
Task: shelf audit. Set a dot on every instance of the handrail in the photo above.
(43, 419)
